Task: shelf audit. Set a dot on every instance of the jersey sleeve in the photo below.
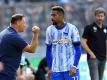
(75, 35)
(76, 43)
(48, 36)
(86, 32)
(16, 41)
(48, 48)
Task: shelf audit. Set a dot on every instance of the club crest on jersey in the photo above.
(65, 33)
(95, 29)
(105, 31)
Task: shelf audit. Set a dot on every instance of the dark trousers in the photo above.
(6, 77)
(96, 68)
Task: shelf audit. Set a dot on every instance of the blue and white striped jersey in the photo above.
(63, 51)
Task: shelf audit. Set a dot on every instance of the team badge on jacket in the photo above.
(105, 31)
(95, 29)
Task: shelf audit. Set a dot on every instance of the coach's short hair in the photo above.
(58, 9)
(16, 17)
(100, 10)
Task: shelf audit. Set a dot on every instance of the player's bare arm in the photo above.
(31, 47)
(1, 66)
(86, 48)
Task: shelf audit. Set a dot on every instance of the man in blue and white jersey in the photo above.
(63, 49)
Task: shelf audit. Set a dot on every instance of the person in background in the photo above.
(41, 72)
(24, 72)
(94, 40)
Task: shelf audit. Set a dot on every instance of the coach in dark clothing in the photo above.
(12, 45)
(94, 42)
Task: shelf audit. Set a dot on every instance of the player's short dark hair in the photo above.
(100, 10)
(58, 9)
(16, 17)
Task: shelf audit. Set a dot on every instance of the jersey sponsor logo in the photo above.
(62, 41)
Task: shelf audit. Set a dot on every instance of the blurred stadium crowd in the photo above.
(37, 12)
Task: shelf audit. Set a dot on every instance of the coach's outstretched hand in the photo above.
(34, 43)
(35, 29)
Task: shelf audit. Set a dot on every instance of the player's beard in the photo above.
(54, 23)
(99, 21)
